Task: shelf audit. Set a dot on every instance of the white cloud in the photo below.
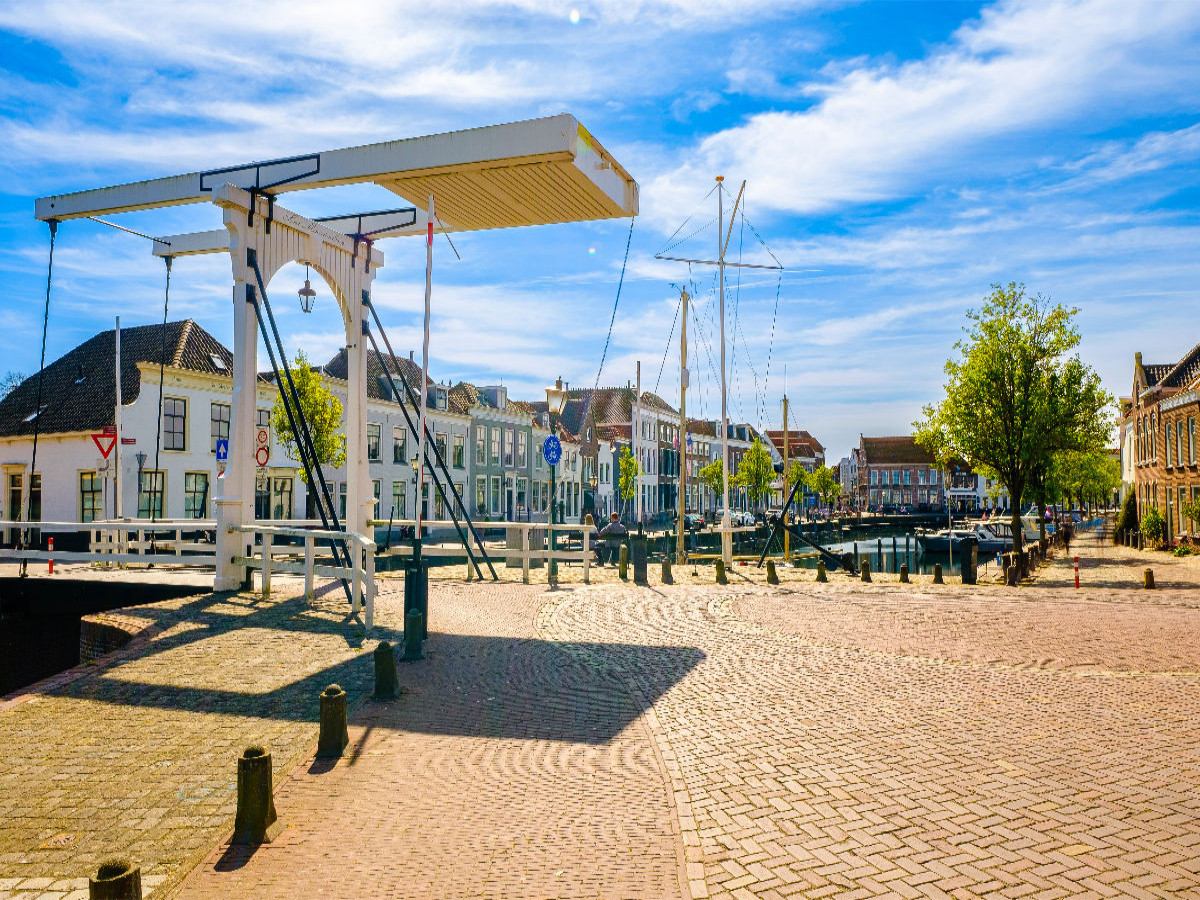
(876, 129)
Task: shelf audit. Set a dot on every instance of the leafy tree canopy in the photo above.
(1015, 395)
(756, 471)
(323, 412)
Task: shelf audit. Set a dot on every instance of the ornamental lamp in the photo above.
(556, 398)
(307, 294)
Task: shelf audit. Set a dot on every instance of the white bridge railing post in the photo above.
(308, 569)
(268, 543)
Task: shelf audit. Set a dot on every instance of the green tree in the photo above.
(712, 476)
(756, 471)
(1154, 527)
(323, 412)
(824, 483)
(1016, 396)
(629, 469)
(1128, 518)
(1084, 476)
(1191, 511)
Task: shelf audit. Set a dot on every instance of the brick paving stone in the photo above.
(508, 767)
(137, 756)
(921, 741)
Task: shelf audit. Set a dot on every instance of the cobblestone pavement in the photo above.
(137, 756)
(880, 741)
(508, 767)
(804, 740)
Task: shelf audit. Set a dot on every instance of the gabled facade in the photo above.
(895, 473)
(1165, 407)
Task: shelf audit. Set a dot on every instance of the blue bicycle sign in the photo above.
(552, 450)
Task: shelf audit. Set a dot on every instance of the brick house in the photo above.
(895, 472)
(1163, 413)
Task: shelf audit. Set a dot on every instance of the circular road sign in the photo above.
(262, 456)
(552, 450)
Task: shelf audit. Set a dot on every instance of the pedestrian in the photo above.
(610, 539)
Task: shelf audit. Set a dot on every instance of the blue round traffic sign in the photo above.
(552, 450)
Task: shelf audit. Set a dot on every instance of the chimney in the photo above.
(410, 356)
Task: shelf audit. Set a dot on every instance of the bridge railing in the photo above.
(360, 574)
(136, 541)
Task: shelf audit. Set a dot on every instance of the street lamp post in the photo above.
(556, 401)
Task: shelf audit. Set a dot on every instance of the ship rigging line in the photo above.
(612, 320)
(667, 349)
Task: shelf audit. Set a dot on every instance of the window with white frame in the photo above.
(219, 424)
(399, 499)
(509, 446)
(460, 451)
(481, 446)
(174, 424)
(495, 505)
(495, 446)
(522, 450)
(195, 495)
(91, 502)
(373, 442)
(399, 444)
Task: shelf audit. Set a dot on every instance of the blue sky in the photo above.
(900, 158)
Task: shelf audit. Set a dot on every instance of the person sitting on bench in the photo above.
(610, 537)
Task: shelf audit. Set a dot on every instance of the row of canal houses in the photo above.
(166, 465)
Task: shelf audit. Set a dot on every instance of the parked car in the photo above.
(693, 521)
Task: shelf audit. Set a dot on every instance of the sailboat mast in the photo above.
(682, 458)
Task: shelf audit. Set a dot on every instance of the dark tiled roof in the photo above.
(398, 366)
(1184, 372)
(882, 451)
(1155, 372)
(87, 404)
(702, 428)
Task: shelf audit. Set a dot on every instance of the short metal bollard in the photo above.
(864, 571)
(937, 574)
(667, 577)
(1148, 579)
(116, 879)
(386, 687)
(822, 575)
(256, 821)
(334, 734)
(637, 554)
(904, 573)
(722, 578)
(772, 575)
(1012, 575)
(414, 626)
(623, 562)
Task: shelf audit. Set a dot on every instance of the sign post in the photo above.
(552, 451)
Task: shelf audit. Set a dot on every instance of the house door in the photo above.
(508, 500)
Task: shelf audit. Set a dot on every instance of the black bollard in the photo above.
(116, 879)
(864, 571)
(256, 821)
(722, 578)
(637, 553)
(904, 573)
(386, 687)
(414, 627)
(821, 574)
(937, 574)
(1148, 579)
(667, 578)
(334, 735)
(1012, 575)
(416, 592)
(772, 575)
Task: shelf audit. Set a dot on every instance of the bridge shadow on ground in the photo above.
(233, 656)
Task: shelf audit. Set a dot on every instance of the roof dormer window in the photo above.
(79, 379)
(217, 362)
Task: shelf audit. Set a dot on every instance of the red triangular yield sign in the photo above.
(105, 442)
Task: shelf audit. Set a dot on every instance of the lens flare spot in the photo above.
(574, 17)
(591, 251)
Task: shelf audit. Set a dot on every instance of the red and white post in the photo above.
(1077, 573)
(50, 547)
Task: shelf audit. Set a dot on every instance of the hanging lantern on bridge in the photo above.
(307, 294)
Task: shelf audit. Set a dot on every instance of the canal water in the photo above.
(887, 552)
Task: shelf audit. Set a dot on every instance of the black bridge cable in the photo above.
(37, 407)
(454, 500)
(430, 442)
(288, 408)
(295, 413)
(304, 441)
(162, 366)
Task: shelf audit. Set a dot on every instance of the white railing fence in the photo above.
(529, 538)
(138, 541)
(360, 573)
